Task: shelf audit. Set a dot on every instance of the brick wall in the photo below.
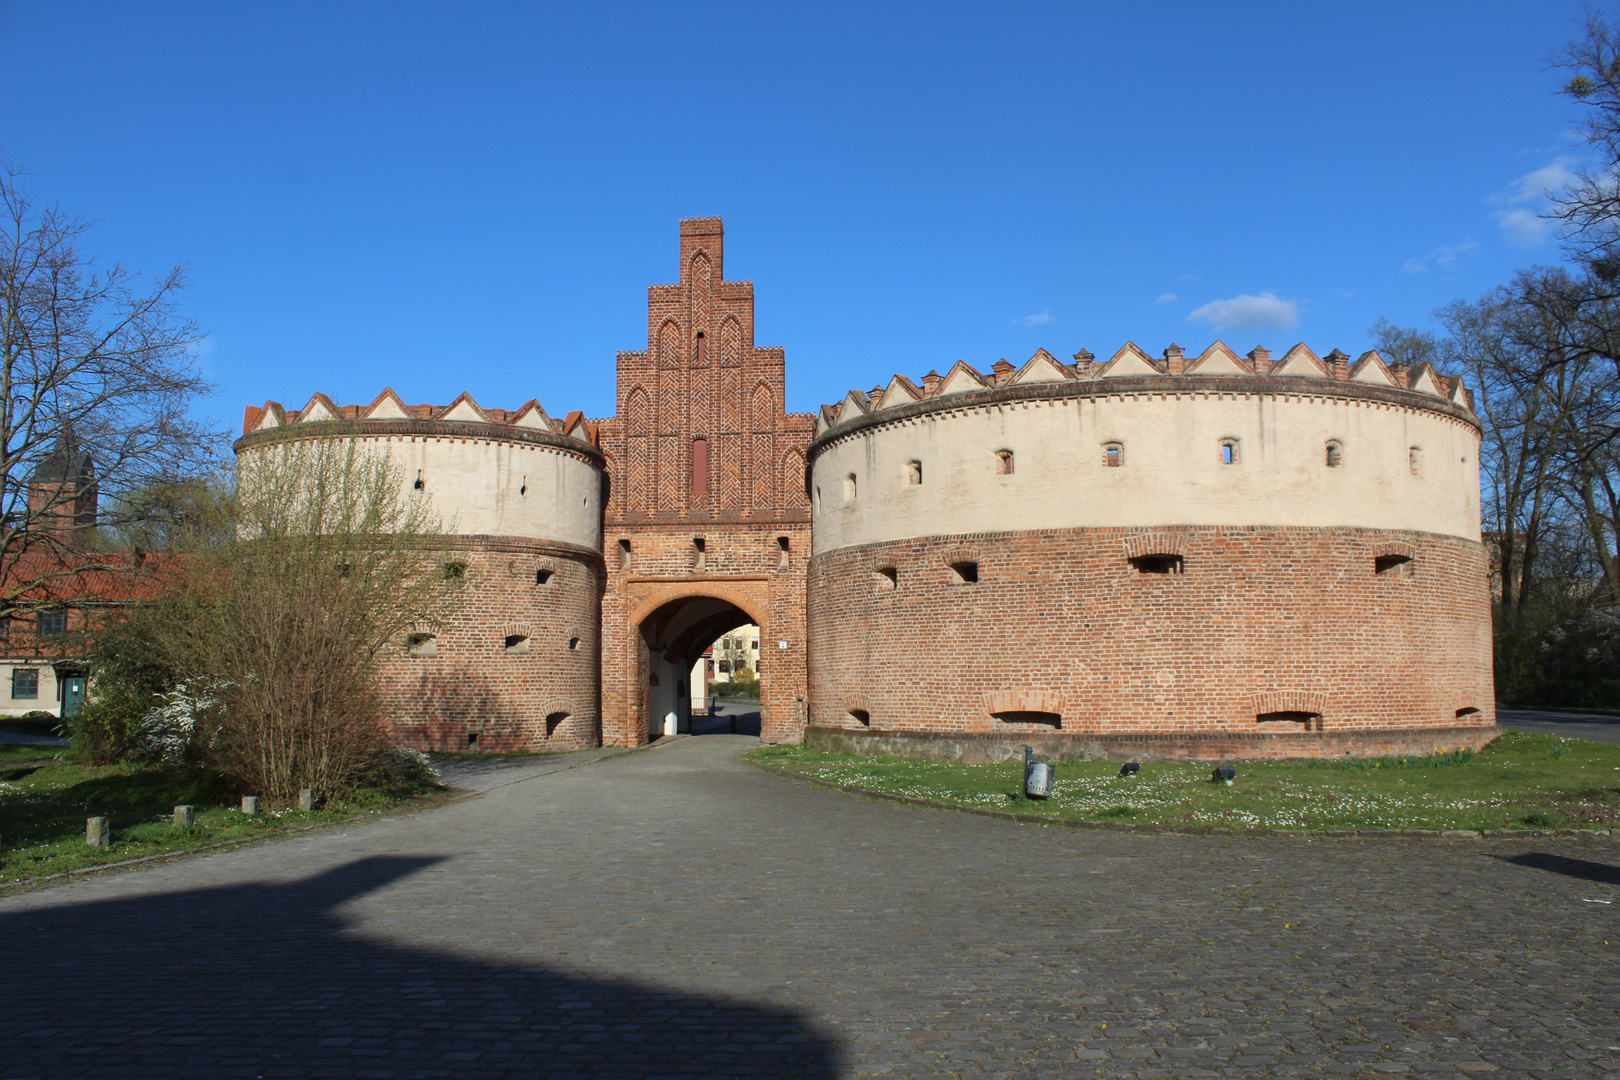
(1267, 620)
(509, 698)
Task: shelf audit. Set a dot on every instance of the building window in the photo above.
(1229, 451)
(1113, 455)
(1004, 462)
(964, 573)
(884, 578)
(25, 682)
(1414, 460)
(1392, 565)
(517, 643)
(624, 554)
(1307, 721)
(455, 571)
(542, 576)
(53, 623)
(849, 488)
(912, 477)
(1335, 453)
(421, 645)
(861, 717)
(1157, 564)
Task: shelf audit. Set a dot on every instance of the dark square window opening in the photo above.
(1158, 564)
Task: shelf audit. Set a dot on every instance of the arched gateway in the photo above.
(706, 526)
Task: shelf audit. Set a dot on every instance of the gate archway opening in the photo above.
(673, 638)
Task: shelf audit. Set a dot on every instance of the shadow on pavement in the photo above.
(1575, 868)
(264, 980)
(737, 724)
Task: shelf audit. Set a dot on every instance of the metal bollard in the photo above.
(1037, 776)
(250, 804)
(306, 799)
(185, 816)
(97, 832)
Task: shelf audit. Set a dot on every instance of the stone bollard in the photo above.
(250, 804)
(185, 816)
(97, 833)
(306, 799)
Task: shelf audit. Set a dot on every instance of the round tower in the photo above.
(1214, 557)
(521, 494)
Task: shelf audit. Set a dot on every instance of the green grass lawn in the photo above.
(43, 809)
(29, 752)
(1518, 781)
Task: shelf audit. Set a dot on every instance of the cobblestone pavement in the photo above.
(675, 912)
(1598, 726)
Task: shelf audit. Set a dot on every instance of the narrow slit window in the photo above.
(1113, 455)
(849, 488)
(964, 573)
(624, 554)
(1414, 460)
(912, 476)
(1335, 454)
(1158, 564)
(1229, 451)
(885, 578)
(1004, 462)
(782, 553)
(1307, 721)
(700, 462)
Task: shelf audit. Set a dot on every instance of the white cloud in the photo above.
(1033, 320)
(1268, 311)
(1521, 203)
(1167, 298)
(1445, 257)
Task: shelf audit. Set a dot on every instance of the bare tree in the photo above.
(335, 563)
(96, 379)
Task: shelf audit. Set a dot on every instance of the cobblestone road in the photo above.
(676, 913)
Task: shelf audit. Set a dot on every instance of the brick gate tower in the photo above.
(706, 524)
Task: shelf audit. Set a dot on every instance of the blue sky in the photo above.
(448, 197)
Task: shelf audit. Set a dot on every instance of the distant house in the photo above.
(52, 588)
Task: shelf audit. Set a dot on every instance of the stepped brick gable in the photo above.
(707, 522)
(1204, 554)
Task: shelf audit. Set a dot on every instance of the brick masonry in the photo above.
(539, 695)
(1068, 641)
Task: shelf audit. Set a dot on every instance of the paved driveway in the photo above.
(1597, 726)
(674, 912)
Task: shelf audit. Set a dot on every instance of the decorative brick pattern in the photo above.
(754, 493)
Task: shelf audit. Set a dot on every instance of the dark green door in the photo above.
(72, 694)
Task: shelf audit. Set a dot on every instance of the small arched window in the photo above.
(1335, 453)
(849, 488)
(1113, 455)
(912, 474)
(1229, 452)
(1004, 462)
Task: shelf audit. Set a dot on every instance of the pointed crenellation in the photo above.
(962, 379)
(1370, 368)
(900, 391)
(1129, 361)
(1218, 360)
(1042, 367)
